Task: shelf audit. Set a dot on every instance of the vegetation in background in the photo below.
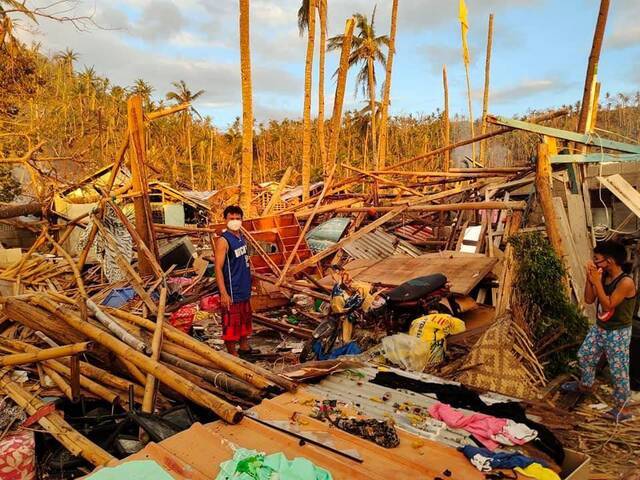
(10, 188)
(82, 118)
(539, 299)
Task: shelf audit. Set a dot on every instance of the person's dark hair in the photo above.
(232, 209)
(614, 251)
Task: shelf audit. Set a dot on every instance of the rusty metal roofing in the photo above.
(378, 245)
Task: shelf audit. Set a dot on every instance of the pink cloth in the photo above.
(481, 426)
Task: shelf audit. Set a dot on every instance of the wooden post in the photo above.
(156, 348)
(592, 67)
(144, 223)
(485, 97)
(336, 119)
(545, 197)
(74, 367)
(445, 119)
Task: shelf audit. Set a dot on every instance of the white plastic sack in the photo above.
(406, 351)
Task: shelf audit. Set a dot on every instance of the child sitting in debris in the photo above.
(614, 292)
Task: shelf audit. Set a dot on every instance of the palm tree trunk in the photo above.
(210, 163)
(306, 114)
(372, 108)
(247, 109)
(323, 46)
(188, 131)
(336, 118)
(382, 143)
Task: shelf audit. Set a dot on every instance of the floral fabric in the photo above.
(615, 345)
(17, 456)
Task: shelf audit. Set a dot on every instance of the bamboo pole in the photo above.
(60, 382)
(336, 119)
(184, 340)
(217, 378)
(116, 329)
(46, 354)
(205, 399)
(53, 422)
(156, 348)
(485, 96)
(307, 225)
(447, 124)
(76, 273)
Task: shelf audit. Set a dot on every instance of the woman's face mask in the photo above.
(234, 225)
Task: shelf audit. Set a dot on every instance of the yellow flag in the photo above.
(464, 25)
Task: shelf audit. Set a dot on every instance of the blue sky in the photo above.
(539, 56)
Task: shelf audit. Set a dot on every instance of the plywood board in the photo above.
(463, 272)
(574, 264)
(624, 191)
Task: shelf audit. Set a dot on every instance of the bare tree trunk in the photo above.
(382, 142)
(210, 163)
(336, 119)
(445, 118)
(485, 97)
(323, 48)
(247, 109)
(306, 113)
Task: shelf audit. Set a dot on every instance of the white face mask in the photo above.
(234, 225)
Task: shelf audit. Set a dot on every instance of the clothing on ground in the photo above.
(380, 432)
(537, 471)
(236, 271)
(236, 322)
(459, 396)
(350, 348)
(615, 345)
(488, 430)
(485, 460)
(252, 465)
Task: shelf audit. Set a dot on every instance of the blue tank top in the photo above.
(237, 275)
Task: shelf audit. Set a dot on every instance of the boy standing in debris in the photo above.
(614, 292)
(233, 276)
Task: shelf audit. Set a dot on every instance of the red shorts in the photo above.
(236, 322)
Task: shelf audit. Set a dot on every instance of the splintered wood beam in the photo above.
(492, 205)
(144, 222)
(275, 197)
(384, 180)
(595, 158)
(584, 139)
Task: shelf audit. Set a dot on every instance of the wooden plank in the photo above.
(576, 271)
(623, 190)
(463, 272)
(594, 158)
(582, 138)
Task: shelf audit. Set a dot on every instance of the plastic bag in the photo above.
(406, 351)
(433, 329)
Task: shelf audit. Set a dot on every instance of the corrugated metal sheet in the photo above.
(419, 233)
(378, 245)
(368, 397)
